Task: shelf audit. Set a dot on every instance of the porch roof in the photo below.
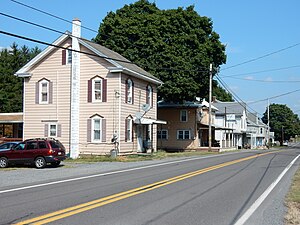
(11, 118)
(148, 121)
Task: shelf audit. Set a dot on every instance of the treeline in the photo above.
(11, 87)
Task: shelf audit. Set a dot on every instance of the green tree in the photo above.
(282, 121)
(11, 87)
(176, 45)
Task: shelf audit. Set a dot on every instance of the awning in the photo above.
(148, 121)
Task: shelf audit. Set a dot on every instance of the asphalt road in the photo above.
(203, 190)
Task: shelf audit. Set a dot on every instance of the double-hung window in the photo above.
(183, 116)
(52, 130)
(149, 95)
(97, 89)
(183, 134)
(129, 93)
(162, 134)
(128, 131)
(96, 129)
(44, 92)
(69, 55)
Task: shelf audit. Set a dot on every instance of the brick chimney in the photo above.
(75, 89)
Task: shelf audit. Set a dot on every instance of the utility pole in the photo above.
(209, 115)
(268, 131)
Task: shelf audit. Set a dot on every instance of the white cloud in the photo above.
(249, 78)
(269, 79)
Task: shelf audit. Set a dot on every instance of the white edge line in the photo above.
(264, 195)
(105, 174)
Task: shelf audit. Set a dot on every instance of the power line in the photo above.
(56, 46)
(266, 81)
(261, 57)
(50, 14)
(256, 72)
(236, 97)
(60, 32)
(277, 96)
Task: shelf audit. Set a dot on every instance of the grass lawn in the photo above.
(137, 157)
(293, 201)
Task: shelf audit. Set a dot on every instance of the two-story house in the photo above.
(187, 126)
(257, 132)
(232, 118)
(89, 97)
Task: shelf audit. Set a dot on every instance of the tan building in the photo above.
(11, 127)
(91, 98)
(186, 128)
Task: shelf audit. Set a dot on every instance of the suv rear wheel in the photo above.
(40, 162)
(3, 162)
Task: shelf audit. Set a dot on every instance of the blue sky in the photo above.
(250, 30)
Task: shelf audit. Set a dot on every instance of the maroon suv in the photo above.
(38, 151)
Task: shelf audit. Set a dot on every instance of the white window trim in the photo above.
(129, 91)
(92, 131)
(129, 129)
(183, 135)
(68, 51)
(40, 91)
(49, 129)
(186, 113)
(93, 89)
(150, 94)
(167, 134)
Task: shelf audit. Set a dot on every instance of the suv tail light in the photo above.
(50, 151)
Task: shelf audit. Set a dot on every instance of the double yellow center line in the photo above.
(60, 214)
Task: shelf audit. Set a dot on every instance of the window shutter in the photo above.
(103, 130)
(126, 91)
(132, 93)
(104, 90)
(147, 95)
(37, 92)
(90, 89)
(46, 130)
(89, 130)
(58, 130)
(152, 97)
(63, 57)
(126, 138)
(50, 92)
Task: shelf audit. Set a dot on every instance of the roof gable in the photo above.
(24, 71)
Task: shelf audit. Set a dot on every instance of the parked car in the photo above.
(285, 143)
(38, 151)
(7, 145)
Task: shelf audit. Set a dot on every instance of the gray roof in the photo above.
(253, 119)
(119, 59)
(236, 108)
(187, 104)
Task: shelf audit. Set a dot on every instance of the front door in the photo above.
(139, 138)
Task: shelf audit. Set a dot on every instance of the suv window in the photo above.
(20, 146)
(31, 145)
(56, 144)
(42, 145)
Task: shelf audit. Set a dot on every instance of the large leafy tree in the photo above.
(176, 45)
(11, 87)
(283, 121)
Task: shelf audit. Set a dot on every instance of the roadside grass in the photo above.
(137, 157)
(293, 201)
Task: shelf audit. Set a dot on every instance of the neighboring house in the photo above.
(92, 102)
(11, 126)
(257, 132)
(186, 128)
(232, 120)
